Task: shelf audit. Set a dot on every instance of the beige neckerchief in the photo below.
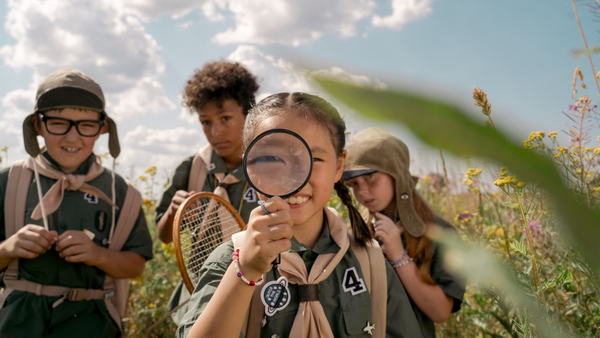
(222, 179)
(54, 196)
(310, 320)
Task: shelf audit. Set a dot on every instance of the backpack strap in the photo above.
(199, 170)
(15, 201)
(372, 264)
(130, 210)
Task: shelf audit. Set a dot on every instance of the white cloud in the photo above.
(275, 75)
(186, 24)
(403, 11)
(100, 40)
(152, 9)
(165, 148)
(18, 104)
(344, 76)
(292, 22)
(96, 37)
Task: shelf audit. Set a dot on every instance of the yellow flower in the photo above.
(151, 171)
(521, 185)
(475, 189)
(4, 149)
(151, 305)
(143, 178)
(500, 232)
(552, 134)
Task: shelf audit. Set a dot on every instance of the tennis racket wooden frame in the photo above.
(177, 230)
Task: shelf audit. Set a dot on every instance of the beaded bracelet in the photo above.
(400, 260)
(235, 258)
(403, 263)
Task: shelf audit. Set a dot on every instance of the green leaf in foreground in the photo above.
(445, 126)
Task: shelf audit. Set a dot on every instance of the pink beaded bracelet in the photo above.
(403, 263)
(236, 256)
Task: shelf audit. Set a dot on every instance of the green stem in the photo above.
(530, 240)
(587, 49)
(448, 204)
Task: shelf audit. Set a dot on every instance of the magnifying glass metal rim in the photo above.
(261, 136)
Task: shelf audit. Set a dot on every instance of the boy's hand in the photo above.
(390, 236)
(266, 237)
(29, 242)
(76, 247)
(178, 198)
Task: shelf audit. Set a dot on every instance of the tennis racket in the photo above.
(202, 222)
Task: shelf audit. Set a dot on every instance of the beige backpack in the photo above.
(115, 291)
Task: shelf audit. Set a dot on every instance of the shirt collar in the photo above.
(83, 168)
(325, 243)
(217, 165)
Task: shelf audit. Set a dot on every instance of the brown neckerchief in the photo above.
(54, 196)
(310, 320)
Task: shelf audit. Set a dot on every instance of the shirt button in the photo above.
(309, 255)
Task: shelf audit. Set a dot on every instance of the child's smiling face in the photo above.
(375, 191)
(71, 149)
(327, 166)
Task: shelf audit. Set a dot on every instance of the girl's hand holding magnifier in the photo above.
(267, 235)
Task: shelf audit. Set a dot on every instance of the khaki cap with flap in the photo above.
(376, 150)
(69, 88)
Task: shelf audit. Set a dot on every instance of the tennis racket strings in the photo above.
(205, 224)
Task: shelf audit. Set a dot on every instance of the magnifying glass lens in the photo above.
(278, 163)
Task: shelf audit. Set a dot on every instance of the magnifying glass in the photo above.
(278, 162)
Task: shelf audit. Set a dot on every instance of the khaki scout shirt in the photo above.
(27, 315)
(239, 193)
(347, 314)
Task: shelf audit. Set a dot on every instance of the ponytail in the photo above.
(362, 233)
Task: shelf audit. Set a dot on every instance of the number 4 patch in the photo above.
(250, 195)
(352, 282)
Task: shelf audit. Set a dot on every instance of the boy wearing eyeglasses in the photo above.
(59, 285)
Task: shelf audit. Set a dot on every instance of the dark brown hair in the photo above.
(218, 81)
(323, 113)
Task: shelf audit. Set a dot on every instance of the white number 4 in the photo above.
(250, 195)
(352, 283)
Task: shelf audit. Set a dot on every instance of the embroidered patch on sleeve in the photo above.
(90, 198)
(211, 166)
(250, 195)
(352, 282)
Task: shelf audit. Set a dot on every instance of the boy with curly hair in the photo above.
(221, 93)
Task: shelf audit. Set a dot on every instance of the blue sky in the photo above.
(519, 52)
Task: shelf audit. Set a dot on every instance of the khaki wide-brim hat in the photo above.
(69, 88)
(376, 150)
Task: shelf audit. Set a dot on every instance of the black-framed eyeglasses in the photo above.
(61, 126)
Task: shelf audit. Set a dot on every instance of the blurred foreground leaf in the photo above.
(444, 126)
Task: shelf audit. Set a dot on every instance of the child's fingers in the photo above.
(24, 253)
(279, 232)
(32, 247)
(275, 204)
(73, 250)
(35, 237)
(382, 217)
(78, 258)
(40, 235)
(69, 238)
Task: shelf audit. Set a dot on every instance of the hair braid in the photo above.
(362, 233)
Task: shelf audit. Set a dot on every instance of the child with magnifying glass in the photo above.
(377, 171)
(324, 287)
